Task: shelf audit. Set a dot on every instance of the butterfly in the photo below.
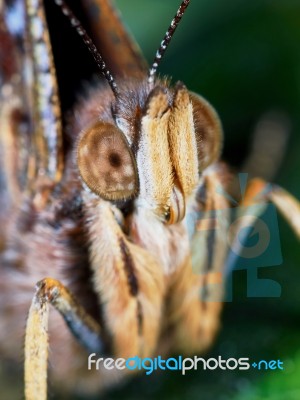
(97, 200)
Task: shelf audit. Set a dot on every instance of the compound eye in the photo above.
(208, 129)
(106, 163)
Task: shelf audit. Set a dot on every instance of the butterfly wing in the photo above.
(30, 117)
(117, 47)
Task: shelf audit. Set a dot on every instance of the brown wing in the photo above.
(45, 99)
(117, 47)
(30, 118)
(14, 106)
(8, 68)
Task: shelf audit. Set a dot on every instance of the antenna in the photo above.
(89, 43)
(166, 40)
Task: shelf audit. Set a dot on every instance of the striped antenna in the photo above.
(89, 43)
(167, 39)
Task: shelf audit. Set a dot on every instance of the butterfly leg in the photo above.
(262, 192)
(128, 281)
(197, 287)
(258, 196)
(83, 327)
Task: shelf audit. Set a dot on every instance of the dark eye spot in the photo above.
(115, 160)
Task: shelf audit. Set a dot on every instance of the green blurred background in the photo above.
(244, 57)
